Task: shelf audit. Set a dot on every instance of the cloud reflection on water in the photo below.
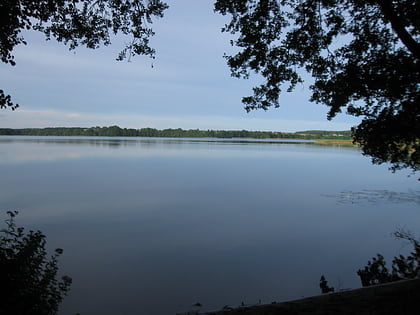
(38, 149)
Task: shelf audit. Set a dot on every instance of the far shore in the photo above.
(348, 143)
(343, 137)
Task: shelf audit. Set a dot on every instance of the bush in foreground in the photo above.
(28, 278)
(403, 267)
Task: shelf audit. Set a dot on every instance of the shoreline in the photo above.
(400, 297)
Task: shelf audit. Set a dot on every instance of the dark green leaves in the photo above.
(79, 22)
(403, 267)
(28, 278)
(89, 23)
(362, 55)
(6, 101)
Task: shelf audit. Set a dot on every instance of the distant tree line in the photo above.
(115, 131)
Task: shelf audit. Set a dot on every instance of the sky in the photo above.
(187, 86)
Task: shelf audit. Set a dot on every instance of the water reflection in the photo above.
(23, 149)
(153, 226)
(111, 141)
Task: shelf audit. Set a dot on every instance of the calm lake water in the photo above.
(153, 226)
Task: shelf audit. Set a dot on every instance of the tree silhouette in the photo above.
(323, 284)
(28, 279)
(376, 272)
(89, 23)
(364, 58)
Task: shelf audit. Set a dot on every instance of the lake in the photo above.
(153, 226)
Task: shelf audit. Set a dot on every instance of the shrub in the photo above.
(376, 272)
(28, 278)
(323, 284)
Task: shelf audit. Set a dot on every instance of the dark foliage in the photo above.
(28, 279)
(89, 23)
(376, 272)
(323, 284)
(364, 57)
(6, 101)
(407, 267)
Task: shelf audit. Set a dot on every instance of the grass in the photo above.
(335, 142)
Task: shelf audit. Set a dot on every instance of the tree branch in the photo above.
(399, 28)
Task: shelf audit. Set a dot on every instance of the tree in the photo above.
(363, 55)
(376, 272)
(89, 23)
(28, 278)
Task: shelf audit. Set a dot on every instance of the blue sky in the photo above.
(189, 85)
